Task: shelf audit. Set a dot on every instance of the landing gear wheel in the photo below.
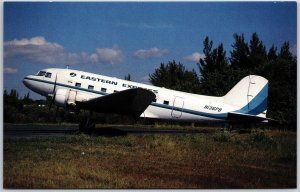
(87, 125)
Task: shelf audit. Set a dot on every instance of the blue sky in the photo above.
(114, 38)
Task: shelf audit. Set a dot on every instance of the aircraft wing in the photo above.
(128, 102)
(246, 117)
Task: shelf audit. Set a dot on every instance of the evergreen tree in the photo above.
(283, 87)
(213, 69)
(206, 65)
(127, 77)
(12, 99)
(175, 76)
(285, 52)
(272, 53)
(240, 53)
(26, 99)
(248, 59)
(280, 69)
(257, 54)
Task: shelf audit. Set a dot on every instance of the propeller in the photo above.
(53, 93)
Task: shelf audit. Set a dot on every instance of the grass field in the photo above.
(260, 159)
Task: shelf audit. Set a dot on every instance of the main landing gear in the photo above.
(87, 125)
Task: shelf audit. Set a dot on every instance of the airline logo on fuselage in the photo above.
(109, 82)
(72, 74)
(99, 80)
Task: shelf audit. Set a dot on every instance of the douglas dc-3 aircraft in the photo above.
(75, 90)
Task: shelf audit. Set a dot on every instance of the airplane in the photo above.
(77, 90)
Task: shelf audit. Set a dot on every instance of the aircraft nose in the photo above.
(26, 82)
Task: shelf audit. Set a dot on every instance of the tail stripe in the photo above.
(258, 103)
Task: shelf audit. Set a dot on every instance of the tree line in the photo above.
(218, 74)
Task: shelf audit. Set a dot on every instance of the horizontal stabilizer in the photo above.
(246, 117)
(128, 102)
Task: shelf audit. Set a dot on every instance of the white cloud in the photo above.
(150, 53)
(108, 55)
(39, 50)
(36, 48)
(33, 41)
(195, 57)
(9, 70)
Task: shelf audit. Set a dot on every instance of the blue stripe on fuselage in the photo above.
(68, 86)
(193, 112)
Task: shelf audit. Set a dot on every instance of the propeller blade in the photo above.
(54, 84)
(52, 101)
(53, 93)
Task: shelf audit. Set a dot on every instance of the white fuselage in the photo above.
(169, 104)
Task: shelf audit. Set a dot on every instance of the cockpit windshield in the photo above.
(41, 73)
(44, 73)
(48, 75)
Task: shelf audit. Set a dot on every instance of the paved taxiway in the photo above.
(41, 131)
(32, 130)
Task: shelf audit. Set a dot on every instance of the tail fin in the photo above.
(249, 95)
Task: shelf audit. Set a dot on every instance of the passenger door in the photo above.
(178, 104)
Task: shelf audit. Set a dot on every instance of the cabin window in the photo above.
(103, 89)
(41, 73)
(48, 75)
(78, 85)
(91, 87)
(166, 102)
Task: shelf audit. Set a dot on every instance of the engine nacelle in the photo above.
(67, 98)
(61, 96)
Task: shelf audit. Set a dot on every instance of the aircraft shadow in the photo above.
(108, 132)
